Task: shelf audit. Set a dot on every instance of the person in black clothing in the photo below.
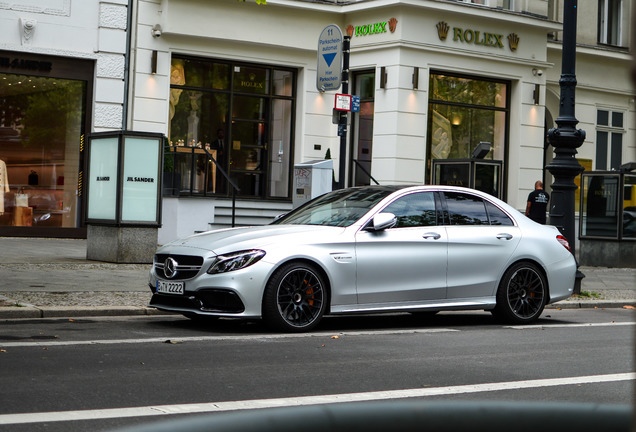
(537, 203)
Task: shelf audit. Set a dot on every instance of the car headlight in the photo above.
(235, 261)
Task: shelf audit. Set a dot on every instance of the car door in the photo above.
(481, 240)
(406, 263)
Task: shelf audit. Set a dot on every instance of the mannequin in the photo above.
(4, 184)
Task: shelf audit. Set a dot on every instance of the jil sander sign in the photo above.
(26, 65)
(477, 37)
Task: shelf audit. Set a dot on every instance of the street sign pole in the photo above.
(344, 114)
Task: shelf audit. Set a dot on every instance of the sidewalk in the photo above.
(42, 278)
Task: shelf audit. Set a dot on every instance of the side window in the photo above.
(497, 216)
(465, 209)
(414, 210)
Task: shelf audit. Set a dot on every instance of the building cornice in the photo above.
(466, 9)
(596, 51)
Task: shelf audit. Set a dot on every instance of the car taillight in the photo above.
(564, 242)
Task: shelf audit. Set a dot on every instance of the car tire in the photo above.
(295, 298)
(522, 294)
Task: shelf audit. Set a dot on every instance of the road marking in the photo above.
(237, 338)
(156, 410)
(541, 326)
(242, 338)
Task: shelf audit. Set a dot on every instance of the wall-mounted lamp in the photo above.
(156, 31)
(383, 77)
(416, 78)
(153, 62)
(536, 94)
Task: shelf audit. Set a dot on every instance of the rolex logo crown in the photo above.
(392, 24)
(513, 41)
(350, 30)
(442, 30)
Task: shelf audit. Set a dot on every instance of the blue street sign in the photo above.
(355, 103)
(329, 71)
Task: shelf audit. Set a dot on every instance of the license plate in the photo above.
(166, 287)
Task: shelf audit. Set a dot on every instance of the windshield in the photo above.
(340, 208)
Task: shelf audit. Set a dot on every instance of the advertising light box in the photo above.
(102, 181)
(124, 178)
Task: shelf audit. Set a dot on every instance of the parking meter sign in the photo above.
(343, 102)
(329, 71)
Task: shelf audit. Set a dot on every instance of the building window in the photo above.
(609, 139)
(610, 17)
(240, 114)
(464, 111)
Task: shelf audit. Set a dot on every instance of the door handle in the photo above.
(504, 236)
(433, 235)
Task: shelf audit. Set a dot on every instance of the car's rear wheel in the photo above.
(295, 298)
(522, 294)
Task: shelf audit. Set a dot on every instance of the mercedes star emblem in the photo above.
(170, 268)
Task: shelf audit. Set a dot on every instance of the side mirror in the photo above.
(382, 221)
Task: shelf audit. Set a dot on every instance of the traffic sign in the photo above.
(355, 103)
(329, 72)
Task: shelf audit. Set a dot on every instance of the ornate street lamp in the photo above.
(565, 138)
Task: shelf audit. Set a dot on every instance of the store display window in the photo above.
(41, 124)
(464, 111)
(233, 118)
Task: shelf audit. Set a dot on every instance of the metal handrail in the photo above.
(235, 188)
(365, 171)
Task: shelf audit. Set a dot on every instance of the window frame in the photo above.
(270, 95)
(609, 139)
(608, 24)
(505, 109)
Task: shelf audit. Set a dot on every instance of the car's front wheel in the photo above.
(295, 298)
(522, 294)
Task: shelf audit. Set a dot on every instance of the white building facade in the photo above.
(63, 74)
(435, 78)
(232, 86)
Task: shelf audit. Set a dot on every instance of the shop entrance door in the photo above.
(364, 85)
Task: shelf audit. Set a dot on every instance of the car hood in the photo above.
(234, 239)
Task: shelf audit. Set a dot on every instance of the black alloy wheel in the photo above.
(522, 294)
(295, 298)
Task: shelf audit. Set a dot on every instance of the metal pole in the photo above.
(566, 139)
(344, 115)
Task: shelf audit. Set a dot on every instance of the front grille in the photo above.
(188, 266)
(205, 300)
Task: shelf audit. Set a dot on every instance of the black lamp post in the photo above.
(565, 139)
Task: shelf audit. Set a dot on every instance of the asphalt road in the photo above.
(105, 373)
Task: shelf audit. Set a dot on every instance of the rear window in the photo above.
(466, 209)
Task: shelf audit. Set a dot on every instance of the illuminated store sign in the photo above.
(477, 37)
(371, 29)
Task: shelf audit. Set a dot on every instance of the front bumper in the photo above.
(204, 301)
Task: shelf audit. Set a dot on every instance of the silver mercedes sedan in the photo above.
(419, 249)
